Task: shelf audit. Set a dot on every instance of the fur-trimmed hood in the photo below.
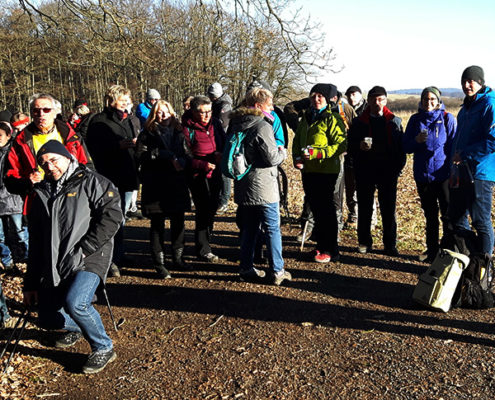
(244, 118)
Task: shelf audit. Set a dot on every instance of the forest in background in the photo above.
(78, 48)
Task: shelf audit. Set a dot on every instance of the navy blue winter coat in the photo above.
(431, 158)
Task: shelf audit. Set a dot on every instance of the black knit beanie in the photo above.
(326, 89)
(474, 73)
(376, 91)
(352, 89)
(53, 146)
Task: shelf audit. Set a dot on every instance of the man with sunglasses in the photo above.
(74, 216)
(24, 171)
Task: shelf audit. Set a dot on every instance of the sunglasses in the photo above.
(45, 110)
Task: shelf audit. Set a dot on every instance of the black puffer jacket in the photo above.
(105, 132)
(72, 230)
(164, 189)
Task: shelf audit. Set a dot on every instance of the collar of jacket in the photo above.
(470, 100)
(389, 116)
(62, 127)
(365, 116)
(320, 115)
(188, 122)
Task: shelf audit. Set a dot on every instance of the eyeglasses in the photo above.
(45, 110)
(204, 112)
(52, 162)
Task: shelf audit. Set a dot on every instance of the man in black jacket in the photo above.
(74, 216)
(375, 144)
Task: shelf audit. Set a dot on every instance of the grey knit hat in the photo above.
(215, 90)
(153, 94)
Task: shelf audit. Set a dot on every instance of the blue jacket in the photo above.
(142, 112)
(432, 158)
(475, 141)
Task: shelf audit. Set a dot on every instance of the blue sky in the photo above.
(399, 44)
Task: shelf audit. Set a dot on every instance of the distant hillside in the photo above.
(446, 92)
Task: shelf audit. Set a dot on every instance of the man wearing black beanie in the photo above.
(474, 156)
(375, 144)
(74, 216)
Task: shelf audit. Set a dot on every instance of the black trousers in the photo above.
(157, 233)
(205, 193)
(434, 198)
(319, 190)
(386, 184)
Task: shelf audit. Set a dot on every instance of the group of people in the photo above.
(73, 182)
(454, 164)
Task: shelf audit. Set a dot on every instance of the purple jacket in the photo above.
(432, 158)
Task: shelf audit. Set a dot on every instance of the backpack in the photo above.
(474, 289)
(234, 164)
(437, 287)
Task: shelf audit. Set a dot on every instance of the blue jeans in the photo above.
(118, 249)
(252, 219)
(475, 199)
(225, 192)
(20, 235)
(4, 313)
(70, 307)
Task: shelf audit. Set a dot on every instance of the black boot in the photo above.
(159, 263)
(178, 260)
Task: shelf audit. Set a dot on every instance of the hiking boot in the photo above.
(222, 209)
(210, 257)
(163, 272)
(178, 260)
(8, 323)
(114, 271)
(322, 258)
(363, 249)
(9, 266)
(281, 276)
(252, 275)
(98, 360)
(67, 339)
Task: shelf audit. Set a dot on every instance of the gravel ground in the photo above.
(346, 330)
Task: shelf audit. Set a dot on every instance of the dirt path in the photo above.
(345, 331)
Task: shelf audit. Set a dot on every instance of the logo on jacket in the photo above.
(110, 193)
(73, 194)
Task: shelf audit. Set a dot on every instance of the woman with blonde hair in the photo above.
(163, 158)
(111, 141)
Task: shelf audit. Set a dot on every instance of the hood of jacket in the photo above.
(244, 118)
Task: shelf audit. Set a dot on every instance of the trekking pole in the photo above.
(24, 319)
(305, 231)
(110, 309)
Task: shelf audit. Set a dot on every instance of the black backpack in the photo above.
(474, 288)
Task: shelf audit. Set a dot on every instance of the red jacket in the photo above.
(22, 158)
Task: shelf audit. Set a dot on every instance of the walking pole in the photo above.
(23, 316)
(305, 230)
(104, 290)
